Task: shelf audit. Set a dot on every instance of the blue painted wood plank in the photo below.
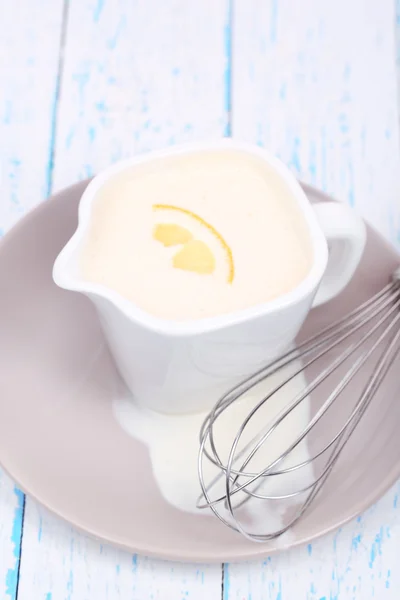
(138, 78)
(135, 76)
(29, 39)
(27, 103)
(12, 503)
(357, 562)
(316, 84)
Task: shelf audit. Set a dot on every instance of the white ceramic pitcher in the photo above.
(179, 367)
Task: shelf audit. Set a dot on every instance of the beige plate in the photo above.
(61, 444)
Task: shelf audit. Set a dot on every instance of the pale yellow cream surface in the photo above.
(197, 236)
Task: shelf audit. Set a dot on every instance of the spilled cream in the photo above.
(173, 445)
(240, 197)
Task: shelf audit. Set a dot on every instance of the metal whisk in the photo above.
(370, 336)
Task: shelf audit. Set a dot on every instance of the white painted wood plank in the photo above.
(138, 76)
(59, 562)
(359, 562)
(29, 43)
(316, 83)
(397, 37)
(11, 517)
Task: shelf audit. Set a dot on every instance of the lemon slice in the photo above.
(195, 256)
(170, 234)
(203, 249)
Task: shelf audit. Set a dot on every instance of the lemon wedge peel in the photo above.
(218, 236)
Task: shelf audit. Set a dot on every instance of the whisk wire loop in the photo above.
(358, 336)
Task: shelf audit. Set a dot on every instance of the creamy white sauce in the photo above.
(239, 196)
(173, 444)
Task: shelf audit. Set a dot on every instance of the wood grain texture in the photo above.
(28, 76)
(358, 562)
(11, 519)
(139, 76)
(397, 58)
(316, 83)
(60, 563)
(133, 76)
(29, 44)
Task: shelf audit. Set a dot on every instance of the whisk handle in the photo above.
(345, 233)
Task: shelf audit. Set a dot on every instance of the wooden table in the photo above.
(86, 82)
